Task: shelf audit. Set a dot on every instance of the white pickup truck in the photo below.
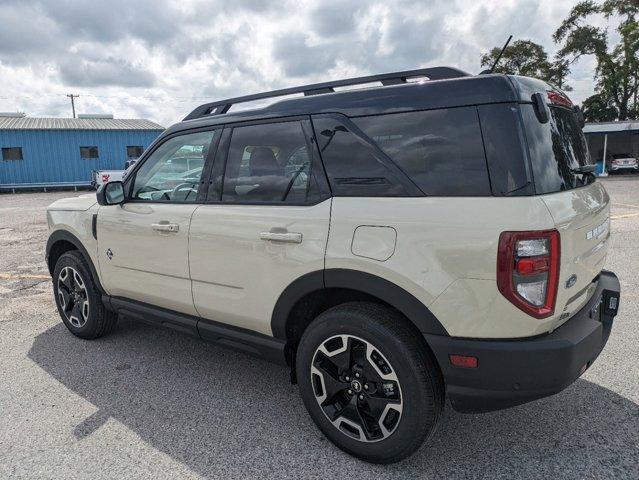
(99, 177)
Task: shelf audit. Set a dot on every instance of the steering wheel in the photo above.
(151, 190)
(184, 186)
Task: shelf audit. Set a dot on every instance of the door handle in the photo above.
(284, 237)
(165, 227)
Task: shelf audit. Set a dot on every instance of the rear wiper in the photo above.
(584, 169)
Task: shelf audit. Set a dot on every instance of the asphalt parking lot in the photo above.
(154, 403)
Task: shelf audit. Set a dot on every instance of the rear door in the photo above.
(265, 224)
(578, 204)
(143, 243)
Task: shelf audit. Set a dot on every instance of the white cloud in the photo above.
(161, 58)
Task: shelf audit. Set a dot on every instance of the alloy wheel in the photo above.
(72, 295)
(356, 388)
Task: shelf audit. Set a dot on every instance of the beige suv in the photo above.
(393, 246)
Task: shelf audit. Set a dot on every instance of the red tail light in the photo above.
(559, 99)
(528, 270)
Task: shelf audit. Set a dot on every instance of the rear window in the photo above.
(440, 150)
(556, 148)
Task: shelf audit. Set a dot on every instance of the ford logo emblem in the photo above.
(571, 281)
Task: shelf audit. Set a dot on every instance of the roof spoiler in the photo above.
(395, 78)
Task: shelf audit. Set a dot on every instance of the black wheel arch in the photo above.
(367, 284)
(62, 241)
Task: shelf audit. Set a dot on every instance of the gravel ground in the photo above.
(147, 402)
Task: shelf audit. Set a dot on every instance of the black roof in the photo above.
(454, 91)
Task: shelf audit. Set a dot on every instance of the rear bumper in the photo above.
(512, 372)
(616, 168)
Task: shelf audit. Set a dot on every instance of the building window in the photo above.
(134, 152)
(89, 152)
(12, 153)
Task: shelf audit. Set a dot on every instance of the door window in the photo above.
(172, 173)
(267, 163)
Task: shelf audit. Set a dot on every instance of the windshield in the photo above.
(556, 149)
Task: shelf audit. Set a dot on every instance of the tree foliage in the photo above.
(528, 58)
(596, 108)
(617, 70)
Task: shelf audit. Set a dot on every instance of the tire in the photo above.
(395, 368)
(78, 299)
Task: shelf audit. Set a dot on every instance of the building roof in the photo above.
(612, 127)
(33, 123)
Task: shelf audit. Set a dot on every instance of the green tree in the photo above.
(528, 58)
(617, 70)
(596, 108)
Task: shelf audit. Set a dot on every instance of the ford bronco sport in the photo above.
(393, 245)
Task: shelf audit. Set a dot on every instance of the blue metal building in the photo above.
(54, 152)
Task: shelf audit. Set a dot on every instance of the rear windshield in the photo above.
(556, 148)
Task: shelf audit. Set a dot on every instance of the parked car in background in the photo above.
(623, 162)
(393, 246)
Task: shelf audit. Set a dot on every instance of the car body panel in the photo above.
(444, 244)
(238, 277)
(75, 215)
(582, 217)
(138, 262)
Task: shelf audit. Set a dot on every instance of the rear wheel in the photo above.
(368, 381)
(78, 300)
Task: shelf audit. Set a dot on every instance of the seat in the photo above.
(263, 163)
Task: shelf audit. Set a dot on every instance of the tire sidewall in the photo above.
(418, 409)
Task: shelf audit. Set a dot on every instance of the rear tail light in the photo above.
(528, 270)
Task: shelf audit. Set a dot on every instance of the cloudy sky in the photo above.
(158, 59)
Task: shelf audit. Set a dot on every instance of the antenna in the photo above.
(500, 54)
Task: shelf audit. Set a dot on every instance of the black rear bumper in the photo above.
(512, 372)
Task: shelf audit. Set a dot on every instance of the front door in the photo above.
(143, 243)
(265, 226)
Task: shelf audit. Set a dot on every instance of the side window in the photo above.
(89, 153)
(440, 150)
(172, 172)
(12, 153)
(134, 151)
(504, 142)
(353, 166)
(267, 163)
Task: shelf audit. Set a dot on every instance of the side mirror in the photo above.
(111, 193)
(542, 111)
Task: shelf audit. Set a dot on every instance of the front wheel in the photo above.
(78, 299)
(368, 382)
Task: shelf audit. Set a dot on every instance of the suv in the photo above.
(393, 246)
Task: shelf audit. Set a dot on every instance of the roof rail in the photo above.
(395, 78)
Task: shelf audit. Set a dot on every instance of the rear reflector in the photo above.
(463, 361)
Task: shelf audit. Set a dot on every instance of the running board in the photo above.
(236, 338)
